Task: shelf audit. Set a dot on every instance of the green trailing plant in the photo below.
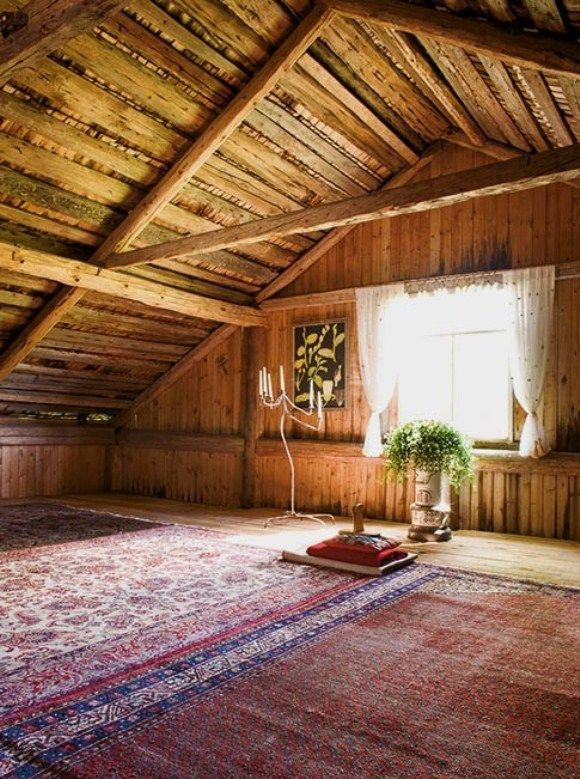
(430, 446)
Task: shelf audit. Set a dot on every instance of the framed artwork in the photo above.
(319, 356)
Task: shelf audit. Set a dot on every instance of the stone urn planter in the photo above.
(432, 449)
(429, 518)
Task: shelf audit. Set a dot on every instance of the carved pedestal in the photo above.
(429, 519)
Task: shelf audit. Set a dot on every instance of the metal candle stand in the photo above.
(290, 411)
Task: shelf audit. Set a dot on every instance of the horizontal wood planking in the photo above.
(34, 470)
(38, 434)
(180, 441)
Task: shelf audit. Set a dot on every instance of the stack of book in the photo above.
(366, 553)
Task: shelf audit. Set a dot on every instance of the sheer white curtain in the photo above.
(531, 302)
(380, 335)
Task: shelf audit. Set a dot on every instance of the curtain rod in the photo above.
(564, 271)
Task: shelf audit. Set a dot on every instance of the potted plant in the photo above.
(432, 448)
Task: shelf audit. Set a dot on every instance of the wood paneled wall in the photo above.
(193, 468)
(37, 460)
(536, 227)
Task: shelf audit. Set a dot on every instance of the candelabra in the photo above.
(291, 411)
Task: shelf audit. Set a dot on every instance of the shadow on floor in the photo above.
(27, 526)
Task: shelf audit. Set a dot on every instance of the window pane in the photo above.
(425, 382)
(481, 388)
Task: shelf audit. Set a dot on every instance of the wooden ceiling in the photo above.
(90, 130)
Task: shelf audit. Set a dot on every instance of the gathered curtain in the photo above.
(380, 341)
(530, 293)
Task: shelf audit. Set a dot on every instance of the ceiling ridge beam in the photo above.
(540, 51)
(525, 172)
(76, 273)
(218, 131)
(50, 24)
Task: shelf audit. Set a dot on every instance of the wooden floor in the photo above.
(536, 559)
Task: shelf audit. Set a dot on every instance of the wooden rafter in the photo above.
(38, 328)
(219, 130)
(300, 266)
(180, 369)
(50, 24)
(539, 51)
(312, 256)
(170, 184)
(528, 171)
(82, 274)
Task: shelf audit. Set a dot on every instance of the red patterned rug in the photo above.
(131, 649)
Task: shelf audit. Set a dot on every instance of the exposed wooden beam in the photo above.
(218, 131)
(312, 256)
(180, 368)
(39, 327)
(498, 151)
(540, 51)
(81, 274)
(181, 441)
(525, 172)
(50, 24)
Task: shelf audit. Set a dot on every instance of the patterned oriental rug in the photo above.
(132, 649)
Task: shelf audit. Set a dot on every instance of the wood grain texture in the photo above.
(87, 276)
(50, 24)
(508, 231)
(521, 173)
(542, 51)
(50, 459)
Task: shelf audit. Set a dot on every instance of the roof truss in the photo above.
(64, 19)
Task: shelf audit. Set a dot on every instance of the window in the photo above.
(456, 366)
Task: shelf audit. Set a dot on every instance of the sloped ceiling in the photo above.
(86, 131)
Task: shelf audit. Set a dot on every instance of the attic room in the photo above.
(299, 498)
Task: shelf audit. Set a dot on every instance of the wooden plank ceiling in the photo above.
(88, 130)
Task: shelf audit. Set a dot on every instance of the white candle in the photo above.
(264, 381)
(270, 390)
(319, 405)
(311, 394)
(282, 383)
(261, 381)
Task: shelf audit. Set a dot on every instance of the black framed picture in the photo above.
(320, 364)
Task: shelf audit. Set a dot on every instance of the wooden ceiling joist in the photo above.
(50, 24)
(40, 326)
(539, 51)
(218, 131)
(312, 256)
(525, 172)
(89, 277)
